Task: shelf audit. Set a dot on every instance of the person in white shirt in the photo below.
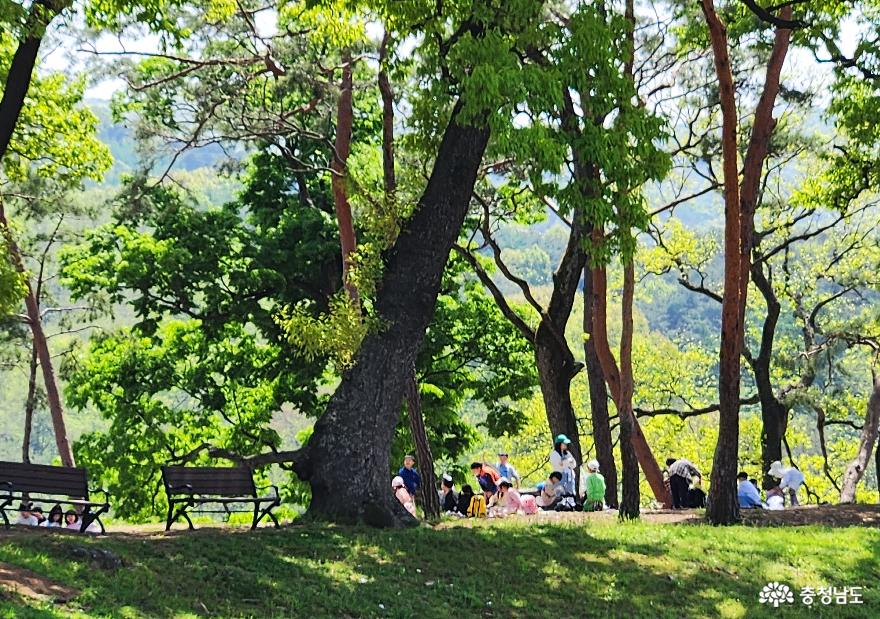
(25, 517)
(561, 460)
(681, 470)
(55, 519)
(790, 478)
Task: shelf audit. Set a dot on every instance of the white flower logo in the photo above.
(776, 593)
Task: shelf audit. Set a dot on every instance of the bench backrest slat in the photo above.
(218, 481)
(45, 479)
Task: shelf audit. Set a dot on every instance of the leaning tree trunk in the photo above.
(29, 406)
(362, 414)
(41, 344)
(610, 371)
(599, 400)
(856, 469)
(428, 496)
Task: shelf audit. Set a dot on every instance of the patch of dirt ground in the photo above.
(28, 584)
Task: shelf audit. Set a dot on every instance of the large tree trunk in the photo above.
(42, 347)
(342, 149)
(739, 212)
(359, 422)
(599, 400)
(428, 496)
(856, 469)
(29, 406)
(639, 444)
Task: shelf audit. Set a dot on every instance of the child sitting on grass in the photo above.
(551, 492)
(506, 502)
(402, 495)
(594, 501)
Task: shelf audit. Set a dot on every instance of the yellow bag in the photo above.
(477, 506)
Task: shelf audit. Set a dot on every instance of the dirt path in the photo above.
(28, 584)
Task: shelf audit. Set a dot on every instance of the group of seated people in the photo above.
(749, 496)
(31, 515)
(499, 491)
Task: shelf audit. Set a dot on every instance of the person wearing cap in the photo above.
(448, 497)
(506, 469)
(25, 517)
(410, 475)
(402, 495)
(680, 472)
(561, 460)
(790, 478)
(506, 502)
(594, 501)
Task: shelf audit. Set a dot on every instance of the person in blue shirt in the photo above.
(506, 469)
(411, 478)
(747, 493)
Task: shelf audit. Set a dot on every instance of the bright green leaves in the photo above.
(12, 285)
(55, 136)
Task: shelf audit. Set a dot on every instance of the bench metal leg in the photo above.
(7, 502)
(88, 517)
(174, 515)
(267, 511)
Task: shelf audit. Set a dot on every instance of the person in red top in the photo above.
(487, 478)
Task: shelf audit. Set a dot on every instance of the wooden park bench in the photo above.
(190, 487)
(56, 484)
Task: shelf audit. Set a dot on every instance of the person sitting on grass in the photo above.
(486, 477)
(464, 500)
(410, 475)
(790, 479)
(775, 497)
(56, 517)
(25, 517)
(448, 498)
(551, 492)
(594, 501)
(746, 493)
(696, 496)
(403, 495)
(71, 520)
(506, 502)
(37, 512)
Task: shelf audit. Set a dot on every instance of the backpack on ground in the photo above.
(477, 507)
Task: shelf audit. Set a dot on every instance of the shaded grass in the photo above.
(493, 569)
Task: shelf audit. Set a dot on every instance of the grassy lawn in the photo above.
(490, 569)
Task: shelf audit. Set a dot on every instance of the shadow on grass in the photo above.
(498, 570)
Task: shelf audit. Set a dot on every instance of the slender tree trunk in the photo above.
(361, 417)
(428, 496)
(389, 176)
(342, 148)
(599, 399)
(856, 469)
(42, 347)
(29, 406)
(774, 414)
(629, 505)
(639, 444)
(739, 211)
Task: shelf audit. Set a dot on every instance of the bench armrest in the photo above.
(103, 491)
(274, 489)
(7, 485)
(184, 488)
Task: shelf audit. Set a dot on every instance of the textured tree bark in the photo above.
(360, 419)
(42, 347)
(29, 406)
(428, 496)
(640, 446)
(856, 469)
(599, 400)
(739, 211)
(342, 149)
(389, 177)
